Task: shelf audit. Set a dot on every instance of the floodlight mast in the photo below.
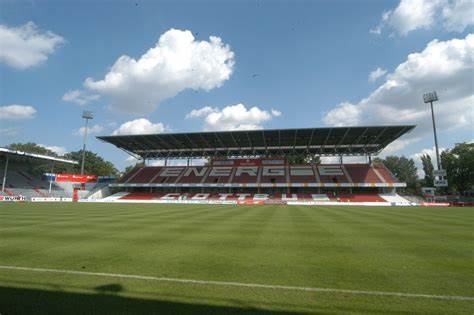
(430, 98)
(86, 115)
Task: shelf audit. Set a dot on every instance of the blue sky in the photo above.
(297, 64)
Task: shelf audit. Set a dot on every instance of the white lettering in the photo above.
(251, 171)
(200, 196)
(220, 171)
(242, 196)
(195, 171)
(170, 196)
(273, 171)
(171, 171)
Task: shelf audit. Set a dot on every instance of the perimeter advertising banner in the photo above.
(76, 178)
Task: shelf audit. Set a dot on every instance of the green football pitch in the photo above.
(202, 259)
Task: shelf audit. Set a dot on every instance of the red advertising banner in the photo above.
(76, 178)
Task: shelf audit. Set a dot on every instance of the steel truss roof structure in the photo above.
(332, 141)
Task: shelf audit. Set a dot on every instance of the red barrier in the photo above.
(250, 202)
(436, 204)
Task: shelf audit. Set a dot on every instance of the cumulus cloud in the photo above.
(26, 46)
(139, 126)
(56, 149)
(17, 112)
(443, 66)
(79, 97)
(233, 117)
(411, 15)
(377, 74)
(176, 63)
(90, 130)
(458, 15)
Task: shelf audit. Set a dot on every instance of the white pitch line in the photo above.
(241, 284)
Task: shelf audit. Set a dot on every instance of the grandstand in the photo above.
(255, 166)
(17, 179)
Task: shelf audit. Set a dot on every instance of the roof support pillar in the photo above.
(5, 173)
(51, 179)
(340, 159)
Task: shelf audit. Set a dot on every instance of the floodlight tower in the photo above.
(430, 98)
(86, 115)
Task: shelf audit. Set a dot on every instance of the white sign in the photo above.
(439, 172)
(441, 183)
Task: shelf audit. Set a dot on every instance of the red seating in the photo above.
(331, 173)
(219, 175)
(362, 173)
(302, 174)
(385, 173)
(246, 175)
(273, 175)
(140, 196)
(194, 175)
(360, 198)
(168, 175)
(347, 174)
(145, 175)
(130, 174)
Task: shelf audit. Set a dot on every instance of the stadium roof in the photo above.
(4, 151)
(276, 142)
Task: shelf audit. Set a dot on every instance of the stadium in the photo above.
(305, 236)
(249, 157)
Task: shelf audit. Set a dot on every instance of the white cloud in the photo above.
(79, 97)
(176, 63)
(56, 149)
(376, 74)
(233, 117)
(204, 111)
(26, 46)
(275, 112)
(90, 130)
(458, 15)
(17, 112)
(411, 15)
(443, 66)
(139, 126)
(344, 114)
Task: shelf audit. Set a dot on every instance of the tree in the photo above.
(37, 167)
(403, 168)
(31, 147)
(94, 164)
(459, 165)
(428, 169)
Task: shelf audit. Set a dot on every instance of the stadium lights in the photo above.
(86, 115)
(440, 173)
(430, 98)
